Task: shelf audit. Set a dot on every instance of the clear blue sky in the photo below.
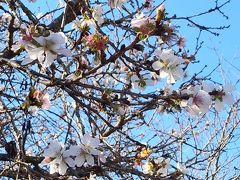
(227, 44)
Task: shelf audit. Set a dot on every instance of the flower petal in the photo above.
(163, 74)
(95, 152)
(70, 162)
(79, 160)
(35, 53)
(53, 168)
(26, 61)
(90, 159)
(157, 65)
(53, 149)
(228, 99)
(218, 105)
(88, 140)
(50, 57)
(57, 38)
(62, 168)
(41, 40)
(157, 52)
(74, 150)
(64, 51)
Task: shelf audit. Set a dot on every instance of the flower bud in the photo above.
(160, 13)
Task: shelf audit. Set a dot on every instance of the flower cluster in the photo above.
(60, 157)
(142, 153)
(96, 42)
(46, 49)
(116, 3)
(86, 22)
(27, 33)
(43, 99)
(201, 98)
(161, 167)
(168, 65)
(158, 166)
(97, 14)
(36, 99)
(143, 24)
(83, 24)
(197, 99)
(221, 95)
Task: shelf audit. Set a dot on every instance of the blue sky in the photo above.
(229, 40)
(227, 43)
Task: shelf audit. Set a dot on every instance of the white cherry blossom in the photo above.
(44, 99)
(139, 21)
(199, 103)
(85, 151)
(46, 103)
(80, 24)
(182, 168)
(225, 97)
(158, 166)
(221, 95)
(97, 14)
(6, 18)
(164, 164)
(48, 49)
(169, 65)
(102, 157)
(58, 158)
(116, 3)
